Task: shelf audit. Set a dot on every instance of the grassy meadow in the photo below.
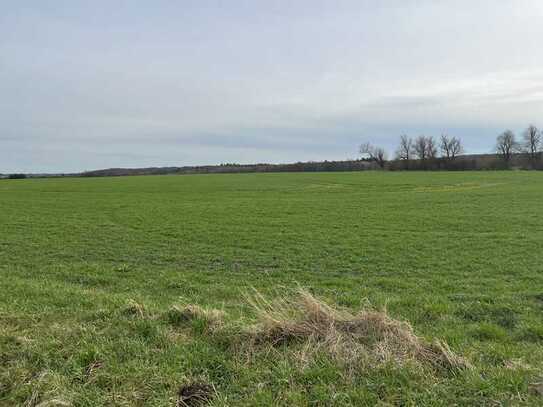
(96, 275)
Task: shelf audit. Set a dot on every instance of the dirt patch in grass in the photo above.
(195, 394)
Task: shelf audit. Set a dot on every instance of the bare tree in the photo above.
(420, 147)
(405, 150)
(425, 148)
(532, 141)
(431, 147)
(506, 145)
(376, 154)
(450, 147)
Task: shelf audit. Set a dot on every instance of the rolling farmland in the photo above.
(90, 269)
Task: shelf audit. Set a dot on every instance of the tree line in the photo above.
(447, 152)
(420, 153)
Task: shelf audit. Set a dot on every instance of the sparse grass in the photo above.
(125, 291)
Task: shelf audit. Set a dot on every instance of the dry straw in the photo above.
(366, 334)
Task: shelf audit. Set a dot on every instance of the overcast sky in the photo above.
(95, 84)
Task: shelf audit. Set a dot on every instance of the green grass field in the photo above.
(90, 267)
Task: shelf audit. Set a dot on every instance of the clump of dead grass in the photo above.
(536, 389)
(180, 315)
(134, 309)
(91, 369)
(48, 389)
(346, 336)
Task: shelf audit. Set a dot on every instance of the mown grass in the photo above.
(91, 271)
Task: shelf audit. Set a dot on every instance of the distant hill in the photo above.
(461, 163)
(351, 165)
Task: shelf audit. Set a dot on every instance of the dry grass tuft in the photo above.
(440, 355)
(213, 318)
(346, 336)
(134, 309)
(516, 364)
(47, 389)
(91, 369)
(536, 389)
(195, 394)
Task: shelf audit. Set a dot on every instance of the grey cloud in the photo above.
(85, 85)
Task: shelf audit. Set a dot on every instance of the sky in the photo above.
(87, 85)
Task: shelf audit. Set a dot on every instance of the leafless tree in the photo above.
(405, 150)
(425, 148)
(532, 141)
(450, 147)
(420, 148)
(376, 154)
(431, 147)
(506, 145)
